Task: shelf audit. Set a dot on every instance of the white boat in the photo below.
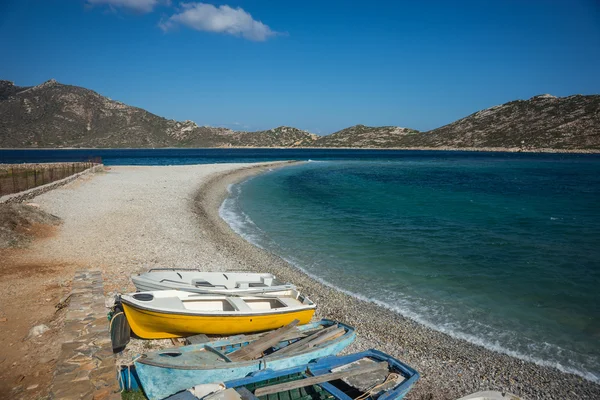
(490, 395)
(174, 313)
(191, 280)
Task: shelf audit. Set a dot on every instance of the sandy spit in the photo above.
(449, 367)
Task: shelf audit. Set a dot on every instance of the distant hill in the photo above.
(283, 136)
(57, 115)
(545, 121)
(366, 136)
(542, 122)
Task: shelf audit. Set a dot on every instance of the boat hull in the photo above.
(214, 282)
(148, 324)
(159, 382)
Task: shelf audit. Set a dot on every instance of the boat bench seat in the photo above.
(168, 302)
(239, 304)
(290, 301)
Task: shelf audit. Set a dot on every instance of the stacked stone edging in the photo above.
(86, 366)
(36, 191)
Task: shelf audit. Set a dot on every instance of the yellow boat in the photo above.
(172, 313)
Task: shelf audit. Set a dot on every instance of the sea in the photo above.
(499, 249)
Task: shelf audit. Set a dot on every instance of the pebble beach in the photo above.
(129, 219)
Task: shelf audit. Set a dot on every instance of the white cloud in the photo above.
(224, 19)
(141, 6)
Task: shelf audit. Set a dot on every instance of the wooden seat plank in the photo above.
(313, 380)
(256, 348)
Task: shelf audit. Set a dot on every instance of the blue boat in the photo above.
(165, 372)
(367, 375)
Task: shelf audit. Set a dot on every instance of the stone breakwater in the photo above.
(38, 190)
(449, 367)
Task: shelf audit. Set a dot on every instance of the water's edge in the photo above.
(229, 213)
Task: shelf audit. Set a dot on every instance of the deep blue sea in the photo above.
(500, 249)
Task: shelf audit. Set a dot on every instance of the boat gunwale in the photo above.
(144, 278)
(349, 335)
(236, 313)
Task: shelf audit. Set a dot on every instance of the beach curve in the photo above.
(129, 219)
(450, 367)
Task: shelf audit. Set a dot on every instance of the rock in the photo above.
(32, 387)
(37, 330)
(102, 394)
(109, 301)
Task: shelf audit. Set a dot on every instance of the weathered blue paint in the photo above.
(169, 371)
(128, 378)
(324, 366)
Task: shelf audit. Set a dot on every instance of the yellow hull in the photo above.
(155, 325)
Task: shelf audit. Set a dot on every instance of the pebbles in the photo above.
(449, 367)
(134, 218)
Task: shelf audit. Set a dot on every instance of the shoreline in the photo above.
(449, 367)
(540, 150)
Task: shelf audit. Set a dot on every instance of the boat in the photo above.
(173, 313)
(165, 372)
(490, 395)
(367, 375)
(196, 281)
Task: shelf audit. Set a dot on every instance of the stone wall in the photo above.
(86, 366)
(36, 191)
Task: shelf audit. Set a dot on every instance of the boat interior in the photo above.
(365, 379)
(220, 280)
(222, 303)
(286, 341)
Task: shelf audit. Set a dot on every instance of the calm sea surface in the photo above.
(500, 249)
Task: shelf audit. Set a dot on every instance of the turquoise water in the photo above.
(503, 252)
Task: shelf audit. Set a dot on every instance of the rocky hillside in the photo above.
(366, 136)
(283, 136)
(543, 121)
(57, 115)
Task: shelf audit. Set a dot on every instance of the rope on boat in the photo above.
(119, 376)
(370, 392)
(112, 318)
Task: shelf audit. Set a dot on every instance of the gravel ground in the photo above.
(132, 218)
(129, 219)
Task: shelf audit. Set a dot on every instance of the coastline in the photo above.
(449, 367)
(443, 148)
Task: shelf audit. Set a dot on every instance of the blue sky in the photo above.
(316, 65)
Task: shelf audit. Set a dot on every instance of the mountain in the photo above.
(57, 115)
(283, 136)
(366, 136)
(544, 121)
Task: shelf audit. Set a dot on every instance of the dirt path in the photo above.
(29, 293)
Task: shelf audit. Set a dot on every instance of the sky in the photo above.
(316, 65)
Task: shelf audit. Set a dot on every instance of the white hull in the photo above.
(231, 283)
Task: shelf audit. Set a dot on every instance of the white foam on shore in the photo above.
(236, 219)
(243, 225)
